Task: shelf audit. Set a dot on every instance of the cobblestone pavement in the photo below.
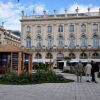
(52, 91)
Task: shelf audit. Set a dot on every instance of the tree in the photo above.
(67, 58)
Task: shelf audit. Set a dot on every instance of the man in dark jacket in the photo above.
(79, 70)
(94, 71)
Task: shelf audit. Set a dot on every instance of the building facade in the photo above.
(55, 36)
(7, 37)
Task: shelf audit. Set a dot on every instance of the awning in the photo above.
(42, 60)
(82, 60)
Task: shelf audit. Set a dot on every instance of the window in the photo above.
(38, 29)
(72, 28)
(60, 56)
(60, 41)
(95, 41)
(49, 28)
(95, 27)
(28, 29)
(49, 41)
(83, 56)
(60, 28)
(72, 55)
(95, 56)
(38, 56)
(83, 41)
(39, 42)
(71, 41)
(49, 56)
(28, 42)
(83, 27)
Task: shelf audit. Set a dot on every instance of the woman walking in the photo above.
(88, 71)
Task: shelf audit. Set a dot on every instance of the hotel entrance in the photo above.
(60, 57)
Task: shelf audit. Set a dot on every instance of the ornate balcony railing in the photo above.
(95, 47)
(83, 47)
(71, 47)
(62, 15)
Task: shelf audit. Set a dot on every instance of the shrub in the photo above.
(40, 76)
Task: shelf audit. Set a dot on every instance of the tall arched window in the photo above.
(71, 41)
(72, 55)
(38, 56)
(83, 27)
(83, 55)
(49, 56)
(60, 41)
(95, 56)
(49, 41)
(28, 29)
(28, 42)
(39, 42)
(83, 41)
(95, 41)
(60, 28)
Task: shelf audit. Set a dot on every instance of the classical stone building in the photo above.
(7, 37)
(54, 36)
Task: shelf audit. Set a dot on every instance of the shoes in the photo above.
(88, 81)
(96, 82)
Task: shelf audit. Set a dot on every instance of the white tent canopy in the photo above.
(82, 60)
(42, 60)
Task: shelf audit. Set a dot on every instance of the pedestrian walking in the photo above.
(79, 71)
(94, 71)
(88, 71)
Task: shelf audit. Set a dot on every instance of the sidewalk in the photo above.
(52, 91)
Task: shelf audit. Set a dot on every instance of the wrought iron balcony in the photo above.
(95, 47)
(83, 47)
(71, 47)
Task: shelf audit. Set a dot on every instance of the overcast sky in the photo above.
(10, 10)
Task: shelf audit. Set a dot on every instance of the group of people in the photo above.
(91, 70)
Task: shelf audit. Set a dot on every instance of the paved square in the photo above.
(52, 91)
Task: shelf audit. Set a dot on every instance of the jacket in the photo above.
(79, 67)
(88, 69)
